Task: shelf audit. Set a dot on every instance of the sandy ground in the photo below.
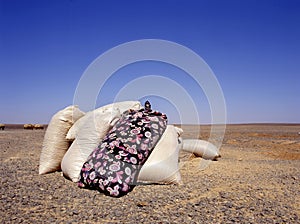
(257, 180)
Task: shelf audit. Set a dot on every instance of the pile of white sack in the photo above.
(72, 135)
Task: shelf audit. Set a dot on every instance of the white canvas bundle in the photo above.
(102, 112)
(162, 165)
(201, 148)
(89, 132)
(55, 143)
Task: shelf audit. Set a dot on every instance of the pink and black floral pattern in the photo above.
(113, 167)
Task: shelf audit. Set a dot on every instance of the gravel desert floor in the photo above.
(257, 180)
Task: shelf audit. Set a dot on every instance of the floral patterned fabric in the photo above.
(113, 167)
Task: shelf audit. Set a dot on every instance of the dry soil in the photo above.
(257, 180)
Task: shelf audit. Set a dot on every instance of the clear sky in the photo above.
(253, 48)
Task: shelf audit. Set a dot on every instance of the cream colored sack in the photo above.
(93, 129)
(121, 106)
(162, 165)
(89, 132)
(55, 143)
(201, 148)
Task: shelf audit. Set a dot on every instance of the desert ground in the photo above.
(257, 180)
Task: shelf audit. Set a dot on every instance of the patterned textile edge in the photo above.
(113, 167)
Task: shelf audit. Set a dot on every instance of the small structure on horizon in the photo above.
(38, 126)
(33, 126)
(28, 126)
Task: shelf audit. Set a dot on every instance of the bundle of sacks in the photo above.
(117, 146)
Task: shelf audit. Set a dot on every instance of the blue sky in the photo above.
(252, 47)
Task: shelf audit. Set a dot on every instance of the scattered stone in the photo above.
(225, 192)
(142, 204)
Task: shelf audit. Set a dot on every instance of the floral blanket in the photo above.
(113, 167)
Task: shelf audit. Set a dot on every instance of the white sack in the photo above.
(162, 165)
(88, 132)
(55, 143)
(94, 128)
(201, 148)
(121, 106)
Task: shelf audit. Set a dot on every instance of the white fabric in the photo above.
(201, 148)
(55, 143)
(89, 132)
(162, 165)
(105, 111)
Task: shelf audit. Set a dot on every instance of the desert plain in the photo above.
(257, 180)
